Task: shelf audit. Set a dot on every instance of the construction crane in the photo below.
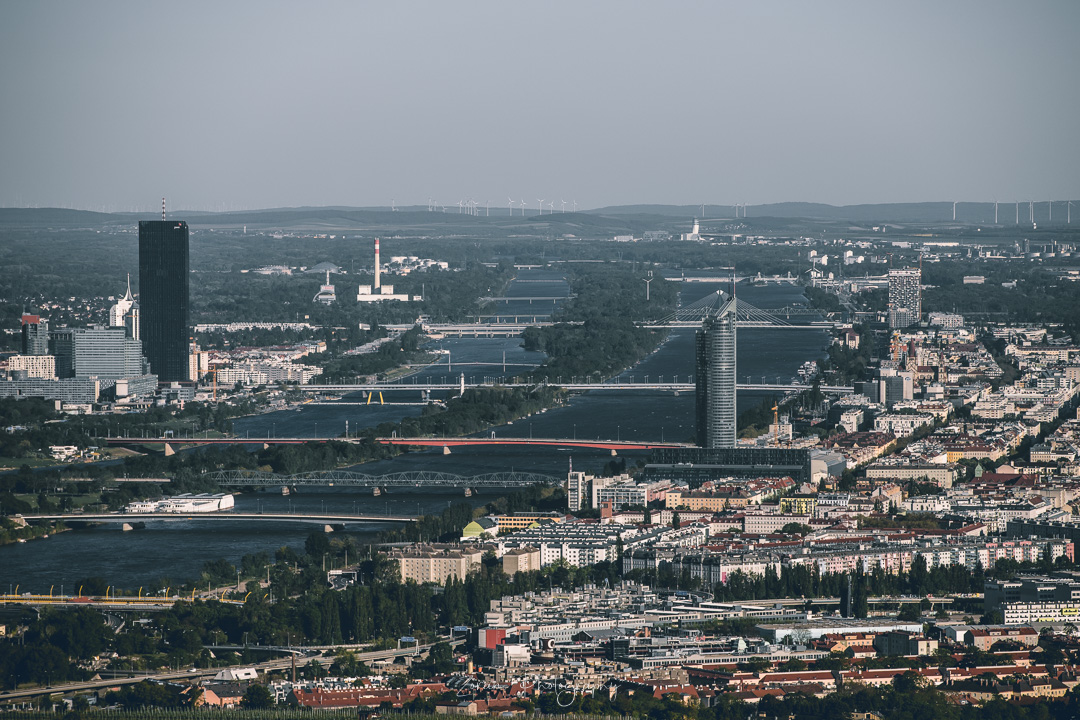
(214, 371)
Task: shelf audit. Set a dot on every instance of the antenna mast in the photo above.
(162, 208)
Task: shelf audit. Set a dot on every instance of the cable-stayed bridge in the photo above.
(791, 317)
(746, 315)
(576, 383)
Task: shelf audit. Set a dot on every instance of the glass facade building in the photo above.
(106, 353)
(715, 379)
(35, 335)
(164, 325)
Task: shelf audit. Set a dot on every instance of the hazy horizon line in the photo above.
(482, 207)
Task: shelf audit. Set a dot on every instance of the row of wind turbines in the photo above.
(1031, 211)
(473, 207)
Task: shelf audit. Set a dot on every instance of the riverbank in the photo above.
(12, 532)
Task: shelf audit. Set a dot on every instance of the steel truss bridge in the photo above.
(413, 479)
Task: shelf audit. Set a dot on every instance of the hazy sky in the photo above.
(233, 105)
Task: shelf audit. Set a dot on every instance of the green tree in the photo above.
(317, 545)
(860, 606)
(257, 697)
(908, 613)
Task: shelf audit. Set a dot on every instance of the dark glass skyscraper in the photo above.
(35, 335)
(715, 378)
(163, 297)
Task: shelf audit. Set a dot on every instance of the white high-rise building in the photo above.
(125, 313)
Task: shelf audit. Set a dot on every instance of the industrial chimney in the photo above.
(377, 284)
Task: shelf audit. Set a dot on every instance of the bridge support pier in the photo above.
(445, 449)
(468, 492)
(376, 491)
(327, 528)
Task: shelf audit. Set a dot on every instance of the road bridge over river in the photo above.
(298, 517)
(345, 478)
(576, 385)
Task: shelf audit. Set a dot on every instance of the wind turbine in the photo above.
(575, 206)
(540, 202)
(523, 206)
(563, 205)
(1069, 219)
(487, 209)
(393, 205)
(954, 211)
(551, 208)
(995, 212)
(1051, 204)
(459, 206)
(510, 204)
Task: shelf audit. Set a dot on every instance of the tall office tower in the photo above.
(163, 297)
(715, 379)
(35, 335)
(905, 297)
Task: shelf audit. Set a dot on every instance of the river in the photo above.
(177, 550)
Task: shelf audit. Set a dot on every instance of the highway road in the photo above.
(323, 655)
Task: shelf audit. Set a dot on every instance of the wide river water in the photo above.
(166, 552)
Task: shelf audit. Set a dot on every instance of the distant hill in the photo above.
(616, 219)
(55, 217)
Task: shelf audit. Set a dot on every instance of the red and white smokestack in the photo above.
(377, 285)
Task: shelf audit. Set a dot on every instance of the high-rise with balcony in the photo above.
(715, 378)
(905, 297)
(163, 298)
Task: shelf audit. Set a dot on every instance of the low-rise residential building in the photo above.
(584, 490)
(984, 637)
(900, 469)
(902, 424)
(799, 504)
(1034, 600)
(904, 642)
(521, 560)
(436, 563)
